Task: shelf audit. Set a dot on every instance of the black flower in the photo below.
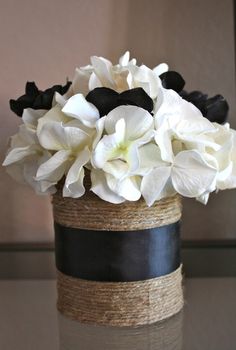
(106, 99)
(214, 109)
(35, 98)
(172, 80)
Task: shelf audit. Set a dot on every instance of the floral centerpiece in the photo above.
(116, 148)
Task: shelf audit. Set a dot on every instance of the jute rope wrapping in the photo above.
(92, 213)
(118, 303)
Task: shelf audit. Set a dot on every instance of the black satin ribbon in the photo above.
(117, 256)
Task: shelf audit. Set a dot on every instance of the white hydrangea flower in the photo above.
(225, 158)
(116, 155)
(123, 76)
(67, 130)
(230, 182)
(130, 153)
(180, 126)
(26, 154)
(54, 143)
(189, 174)
(70, 145)
(76, 109)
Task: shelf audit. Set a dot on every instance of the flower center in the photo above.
(121, 151)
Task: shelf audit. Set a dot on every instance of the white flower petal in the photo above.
(74, 180)
(225, 141)
(105, 150)
(55, 136)
(77, 107)
(28, 135)
(18, 140)
(124, 60)
(117, 168)
(167, 104)
(94, 82)
(19, 154)
(101, 189)
(191, 174)
(144, 77)
(133, 62)
(161, 68)
(163, 139)
(203, 198)
(153, 184)
(102, 68)
(137, 120)
(80, 81)
(31, 116)
(54, 169)
(229, 179)
(224, 177)
(128, 188)
(30, 171)
(45, 187)
(99, 131)
(59, 99)
(121, 79)
(199, 141)
(179, 115)
(132, 158)
(53, 115)
(75, 123)
(149, 158)
(120, 129)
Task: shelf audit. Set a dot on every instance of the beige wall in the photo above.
(45, 40)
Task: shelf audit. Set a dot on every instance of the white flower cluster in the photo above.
(129, 152)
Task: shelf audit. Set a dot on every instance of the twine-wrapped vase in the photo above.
(118, 264)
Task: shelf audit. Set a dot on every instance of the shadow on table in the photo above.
(165, 335)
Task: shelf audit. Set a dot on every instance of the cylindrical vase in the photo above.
(118, 264)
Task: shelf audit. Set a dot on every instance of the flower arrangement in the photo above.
(135, 130)
(125, 131)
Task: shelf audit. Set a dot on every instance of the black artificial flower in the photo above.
(106, 99)
(35, 98)
(214, 109)
(172, 80)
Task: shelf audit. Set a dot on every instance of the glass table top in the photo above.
(29, 320)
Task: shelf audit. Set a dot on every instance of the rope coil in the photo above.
(120, 303)
(92, 213)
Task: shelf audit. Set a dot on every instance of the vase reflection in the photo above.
(165, 335)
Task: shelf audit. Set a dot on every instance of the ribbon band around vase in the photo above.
(118, 265)
(117, 256)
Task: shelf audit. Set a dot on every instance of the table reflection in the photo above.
(165, 335)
